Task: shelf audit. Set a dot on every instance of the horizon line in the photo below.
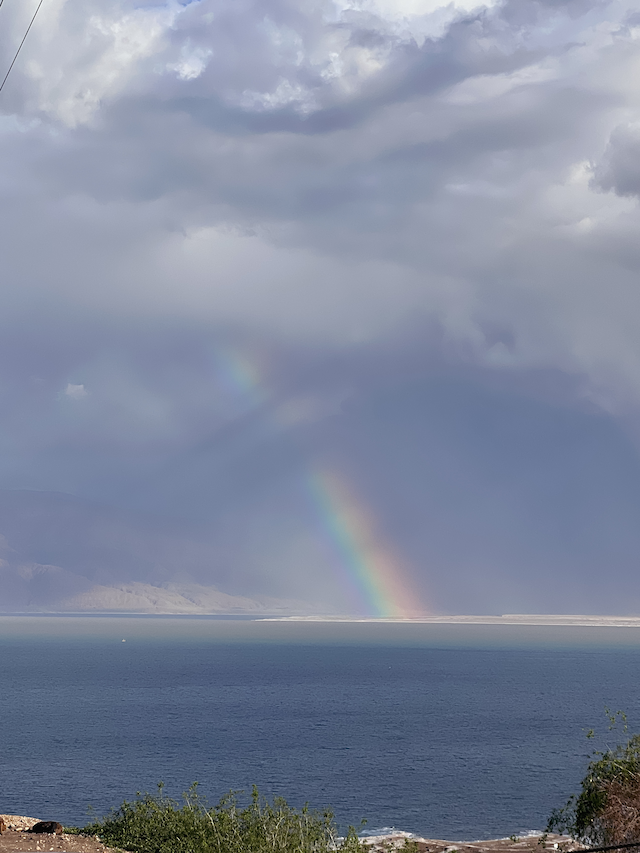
(533, 619)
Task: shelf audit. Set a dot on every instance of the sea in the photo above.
(458, 732)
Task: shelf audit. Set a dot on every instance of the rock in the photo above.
(52, 827)
(3, 826)
(18, 823)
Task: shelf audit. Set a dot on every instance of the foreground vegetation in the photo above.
(607, 809)
(158, 824)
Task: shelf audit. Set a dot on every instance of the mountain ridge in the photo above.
(63, 554)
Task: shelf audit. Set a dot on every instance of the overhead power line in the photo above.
(24, 38)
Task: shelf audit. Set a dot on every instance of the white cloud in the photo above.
(417, 20)
(75, 392)
(321, 172)
(72, 65)
(193, 62)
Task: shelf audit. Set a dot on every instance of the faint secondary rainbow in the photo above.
(241, 375)
(372, 576)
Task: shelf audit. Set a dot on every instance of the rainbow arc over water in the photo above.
(372, 575)
(379, 578)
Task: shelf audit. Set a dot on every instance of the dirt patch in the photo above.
(17, 839)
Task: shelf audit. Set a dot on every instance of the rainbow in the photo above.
(370, 567)
(240, 375)
(373, 578)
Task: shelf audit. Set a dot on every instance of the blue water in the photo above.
(454, 733)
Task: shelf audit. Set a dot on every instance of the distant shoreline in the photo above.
(511, 619)
(548, 620)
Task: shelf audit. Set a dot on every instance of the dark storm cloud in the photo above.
(369, 206)
(619, 169)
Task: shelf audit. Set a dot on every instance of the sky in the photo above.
(341, 296)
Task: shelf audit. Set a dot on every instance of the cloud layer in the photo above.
(330, 169)
(344, 198)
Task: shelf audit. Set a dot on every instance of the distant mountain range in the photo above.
(61, 554)
(37, 588)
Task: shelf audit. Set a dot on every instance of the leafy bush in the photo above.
(158, 824)
(607, 810)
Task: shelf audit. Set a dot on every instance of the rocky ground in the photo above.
(528, 844)
(17, 839)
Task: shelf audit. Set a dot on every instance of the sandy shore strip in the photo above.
(549, 620)
(531, 843)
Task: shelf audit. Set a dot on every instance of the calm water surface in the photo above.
(456, 733)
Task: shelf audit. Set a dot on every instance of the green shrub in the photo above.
(158, 824)
(607, 809)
